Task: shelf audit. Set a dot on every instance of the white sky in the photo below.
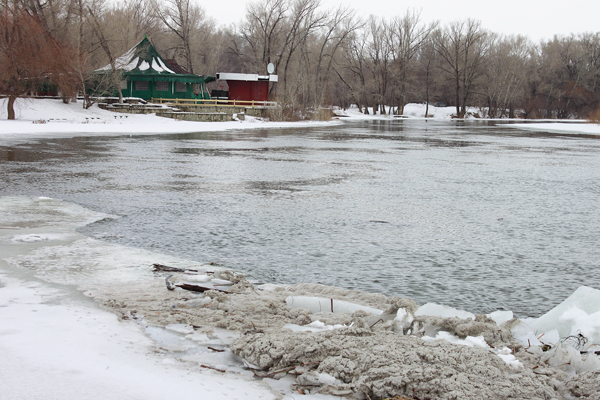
(538, 19)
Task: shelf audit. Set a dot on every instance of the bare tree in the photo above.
(188, 22)
(340, 26)
(506, 71)
(380, 57)
(99, 30)
(302, 22)
(407, 37)
(30, 57)
(463, 45)
(262, 33)
(353, 69)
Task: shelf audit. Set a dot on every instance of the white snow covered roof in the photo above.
(142, 57)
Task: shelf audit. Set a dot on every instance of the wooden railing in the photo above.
(214, 102)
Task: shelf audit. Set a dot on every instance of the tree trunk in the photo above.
(10, 107)
(458, 97)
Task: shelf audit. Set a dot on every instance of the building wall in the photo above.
(248, 90)
(152, 91)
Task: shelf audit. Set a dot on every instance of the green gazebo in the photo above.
(146, 75)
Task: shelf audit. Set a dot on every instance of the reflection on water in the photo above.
(472, 214)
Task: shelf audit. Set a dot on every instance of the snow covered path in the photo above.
(55, 347)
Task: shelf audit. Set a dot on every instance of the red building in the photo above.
(247, 87)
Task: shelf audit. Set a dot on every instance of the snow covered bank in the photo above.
(187, 341)
(52, 118)
(578, 127)
(54, 345)
(39, 118)
(417, 111)
(412, 110)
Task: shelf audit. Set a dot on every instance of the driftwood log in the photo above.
(189, 286)
(160, 267)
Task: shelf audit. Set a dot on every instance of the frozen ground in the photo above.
(84, 318)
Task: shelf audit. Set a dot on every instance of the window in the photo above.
(162, 86)
(141, 85)
(123, 84)
(180, 87)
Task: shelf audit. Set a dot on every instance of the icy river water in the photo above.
(473, 215)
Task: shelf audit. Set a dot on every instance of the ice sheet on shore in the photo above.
(184, 325)
(578, 313)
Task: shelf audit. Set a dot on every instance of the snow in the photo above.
(55, 347)
(417, 111)
(143, 66)
(41, 118)
(574, 127)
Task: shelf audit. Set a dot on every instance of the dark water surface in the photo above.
(472, 215)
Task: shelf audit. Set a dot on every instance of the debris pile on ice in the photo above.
(384, 364)
(343, 342)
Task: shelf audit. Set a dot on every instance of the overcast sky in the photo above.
(538, 19)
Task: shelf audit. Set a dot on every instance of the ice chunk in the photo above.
(321, 304)
(501, 317)
(216, 281)
(578, 312)
(571, 360)
(506, 355)
(271, 287)
(200, 302)
(550, 337)
(316, 326)
(525, 335)
(197, 278)
(402, 321)
(436, 310)
(471, 341)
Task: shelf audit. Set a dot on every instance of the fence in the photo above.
(214, 102)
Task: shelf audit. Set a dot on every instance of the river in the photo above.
(469, 214)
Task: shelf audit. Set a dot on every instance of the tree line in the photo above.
(324, 57)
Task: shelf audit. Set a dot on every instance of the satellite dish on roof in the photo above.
(270, 68)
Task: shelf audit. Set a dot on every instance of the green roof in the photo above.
(143, 63)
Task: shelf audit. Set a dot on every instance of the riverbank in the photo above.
(38, 118)
(100, 317)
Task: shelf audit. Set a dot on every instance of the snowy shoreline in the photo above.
(57, 285)
(50, 118)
